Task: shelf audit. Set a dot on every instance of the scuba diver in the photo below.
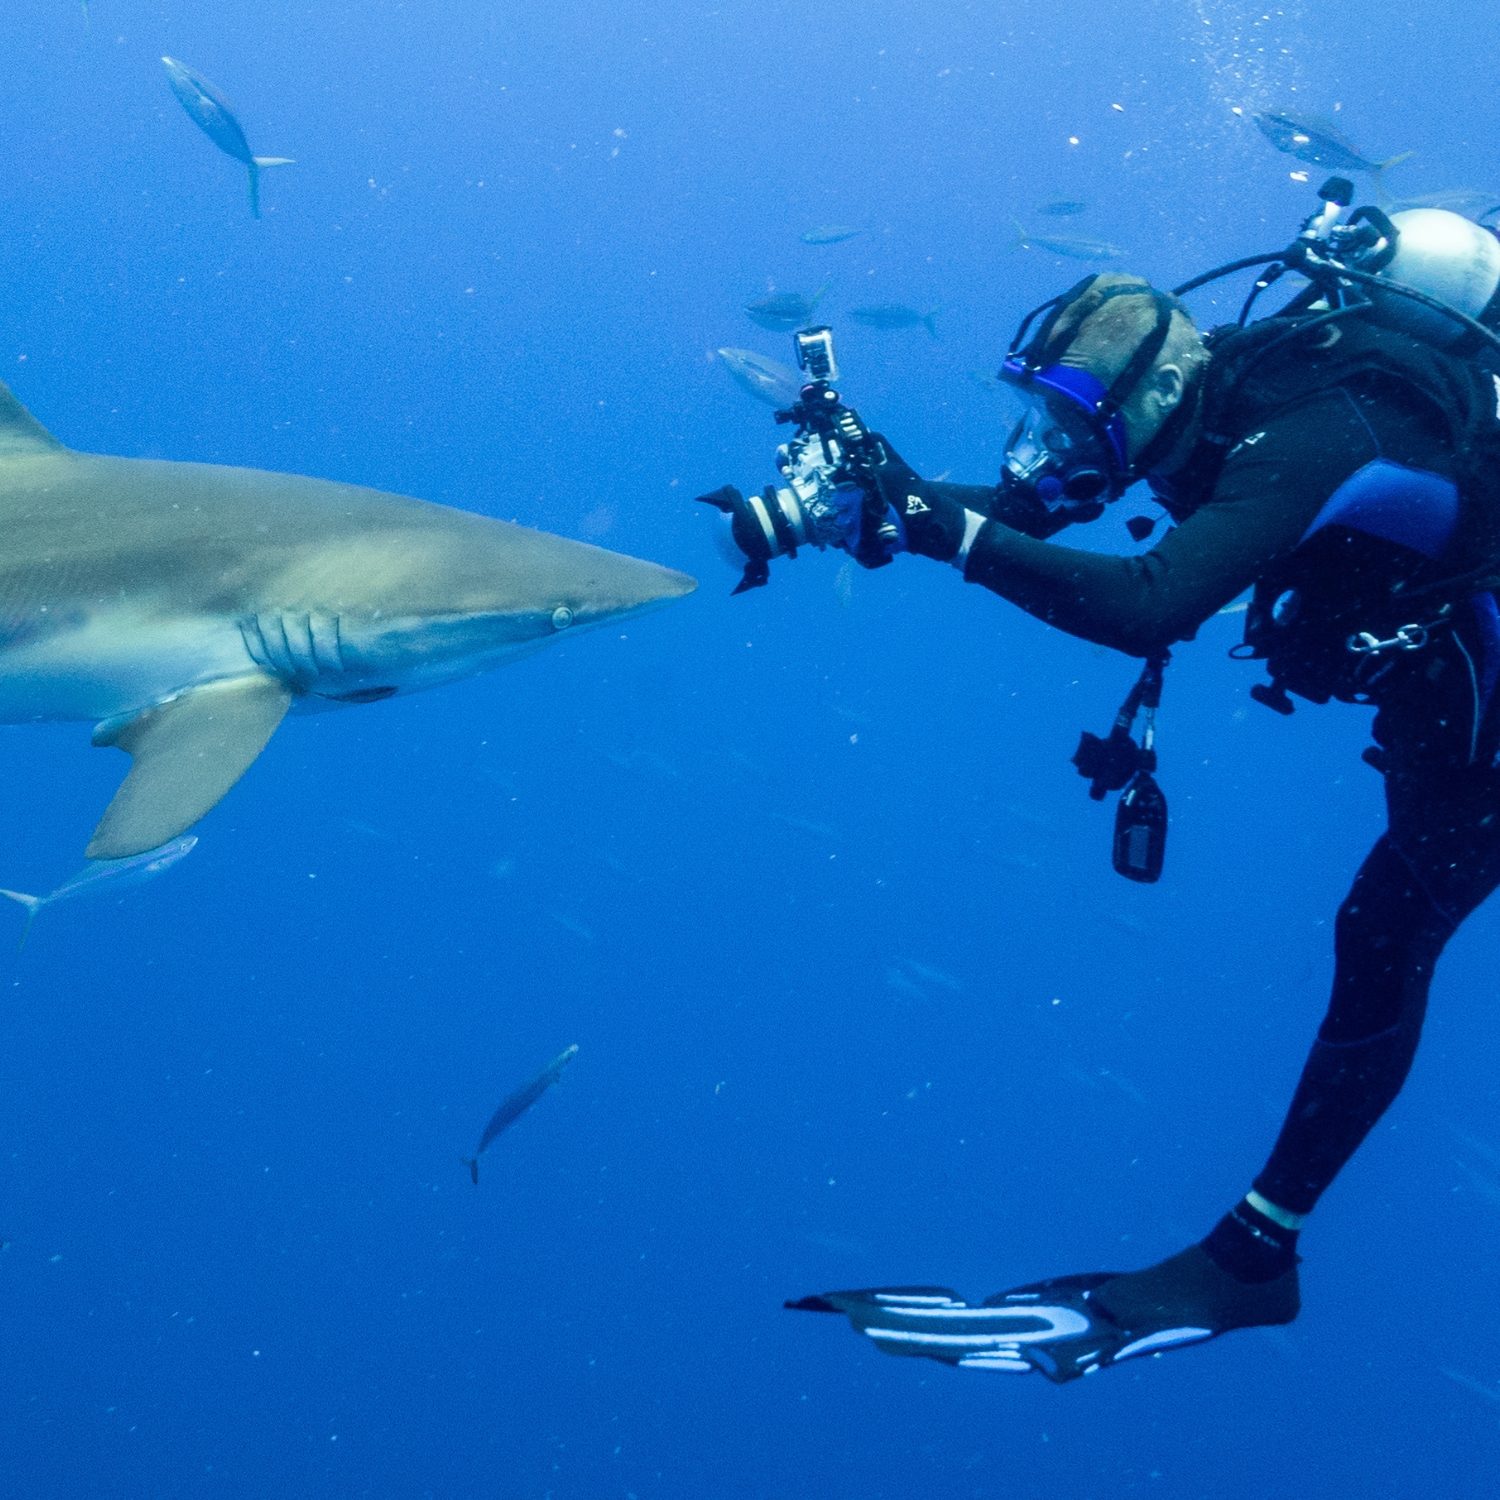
(1341, 458)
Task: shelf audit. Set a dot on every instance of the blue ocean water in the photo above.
(805, 873)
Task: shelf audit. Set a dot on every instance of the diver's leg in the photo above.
(1387, 939)
(1440, 860)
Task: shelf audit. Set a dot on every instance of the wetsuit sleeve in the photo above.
(1268, 493)
(1013, 508)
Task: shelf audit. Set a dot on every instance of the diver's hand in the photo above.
(868, 529)
(929, 522)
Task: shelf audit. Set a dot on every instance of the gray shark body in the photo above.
(186, 608)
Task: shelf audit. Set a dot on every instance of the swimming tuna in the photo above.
(890, 316)
(1077, 247)
(767, 380)
(214, 115)
(517, 1105)
(1314, 139)
(105, 875)
(831, 234)
(781, 312)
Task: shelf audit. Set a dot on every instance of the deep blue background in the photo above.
(811, 884)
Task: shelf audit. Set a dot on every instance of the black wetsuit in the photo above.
(1350, 484)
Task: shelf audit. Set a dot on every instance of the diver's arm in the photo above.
(1017, 508)
(1270, 491)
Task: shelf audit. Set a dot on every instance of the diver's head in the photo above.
(1111, 377)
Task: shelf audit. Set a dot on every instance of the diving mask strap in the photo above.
(1144, 357)
(1169, 431)
(1035, 355)
(1040, 352)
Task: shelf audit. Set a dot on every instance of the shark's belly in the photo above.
(104, 664)
(112, 662)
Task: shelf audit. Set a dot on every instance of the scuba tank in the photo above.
(1447, 257)
(1417, 298)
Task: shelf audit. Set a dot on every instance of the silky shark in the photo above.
(186, 608)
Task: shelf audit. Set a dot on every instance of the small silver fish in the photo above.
(105, 874)
(214, 115)
(781, 312)
(889, 316)
(767, 380)
(806, 825)
(831, 234)
(1062, 208)
(1074, 247)
(517, 1105)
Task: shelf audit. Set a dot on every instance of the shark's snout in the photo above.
(648, 586)
(576, 585)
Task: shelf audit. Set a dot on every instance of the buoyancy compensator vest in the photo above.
(1329, 618)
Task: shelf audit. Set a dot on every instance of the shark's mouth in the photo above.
(362, 695)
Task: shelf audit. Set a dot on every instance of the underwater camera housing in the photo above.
(830, 455)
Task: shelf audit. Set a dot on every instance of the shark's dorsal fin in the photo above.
(188, 752)
(20, 432)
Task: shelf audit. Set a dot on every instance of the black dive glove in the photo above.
(931, 523)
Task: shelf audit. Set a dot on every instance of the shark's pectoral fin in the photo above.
(188, 752)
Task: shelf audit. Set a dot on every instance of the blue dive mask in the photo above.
(1061, 450)
(1070, 450)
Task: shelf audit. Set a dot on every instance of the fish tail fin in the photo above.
(1019, 243)
(33, 905)
(1377, 176)
(929, 321)
(472, 1163)
(255, 166)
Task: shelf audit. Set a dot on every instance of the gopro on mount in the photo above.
(815, 353)
(826, 472)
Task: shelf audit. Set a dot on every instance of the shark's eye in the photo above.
(562, 617)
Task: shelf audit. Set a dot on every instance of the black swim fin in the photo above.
(472, 1163)
(1068, 1326)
